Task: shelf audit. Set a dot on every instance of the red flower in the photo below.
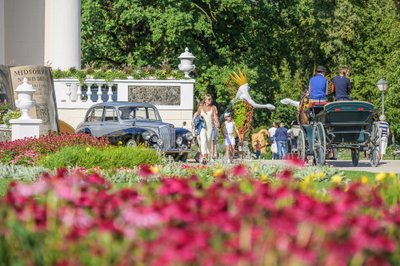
(240, 170)
(295, 161)
(175, 186)
(285, 174)
(145, 170)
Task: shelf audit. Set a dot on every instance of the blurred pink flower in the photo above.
(175, 186)
(145, 170)
(295, 161)
(29, 190)
(140, 218)
(240, 170)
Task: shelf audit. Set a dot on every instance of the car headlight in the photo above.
(160, 142)
(189, 136)
(179, 140)
(154, 138)
(146, 135)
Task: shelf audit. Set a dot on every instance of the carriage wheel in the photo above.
(355, 156)
(301, 145)
(374, 156)
(319, 144)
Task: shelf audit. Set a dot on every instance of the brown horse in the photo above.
(302, 117)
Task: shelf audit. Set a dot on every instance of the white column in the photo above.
(2, 40)
(62, 33)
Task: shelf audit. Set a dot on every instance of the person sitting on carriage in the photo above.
(318, 86)
(341, 85)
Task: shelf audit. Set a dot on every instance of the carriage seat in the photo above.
(315, 107)
(314, 104)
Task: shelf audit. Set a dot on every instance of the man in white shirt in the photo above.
(384, 134)
(271, 133)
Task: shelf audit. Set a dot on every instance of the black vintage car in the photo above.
(133, 123)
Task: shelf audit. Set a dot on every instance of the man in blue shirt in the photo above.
(318, 86)
(341, 85)
(281, 136)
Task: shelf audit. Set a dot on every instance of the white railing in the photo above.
(70, 93)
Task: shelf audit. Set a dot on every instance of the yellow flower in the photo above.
(379, 177)
(120, 142)
(264, 178)
(364, 180)
(392, 175)
(218, 172)
(336, 179)
(87, 149)
(154, 169)
(320, 175)
(308, 179)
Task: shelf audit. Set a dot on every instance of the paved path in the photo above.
(363, 165)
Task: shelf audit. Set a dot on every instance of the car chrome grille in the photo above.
(168, 136)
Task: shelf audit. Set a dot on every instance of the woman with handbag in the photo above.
(209, 113)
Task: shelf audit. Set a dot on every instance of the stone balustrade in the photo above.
(5, 133)
(173, 98)
(70, 93)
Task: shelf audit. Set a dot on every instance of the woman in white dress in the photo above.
(209, 114)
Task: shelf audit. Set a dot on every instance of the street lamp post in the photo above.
(382, 86)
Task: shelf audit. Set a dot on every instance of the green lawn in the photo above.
(4, 185)
(357, 174)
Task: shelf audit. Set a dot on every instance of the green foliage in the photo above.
(4, 108)
(109, 157)
(290, 86)
(12, 114)
(239, 113)
(112, 74)
(20, 172)
(7, 113)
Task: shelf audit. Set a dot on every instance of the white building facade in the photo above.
(40, 32)
(47, 32)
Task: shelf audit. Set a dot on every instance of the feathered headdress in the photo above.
(240, 79)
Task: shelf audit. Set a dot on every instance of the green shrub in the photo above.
(106, 158)
(4, 108)
(11, 114)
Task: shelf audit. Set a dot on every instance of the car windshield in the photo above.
(138, 113)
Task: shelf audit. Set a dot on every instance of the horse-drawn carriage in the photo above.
(343, 124)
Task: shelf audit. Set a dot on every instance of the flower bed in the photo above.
(309, 175)
(77, 218)
(27, 151)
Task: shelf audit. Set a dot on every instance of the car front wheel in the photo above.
(131, 143)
